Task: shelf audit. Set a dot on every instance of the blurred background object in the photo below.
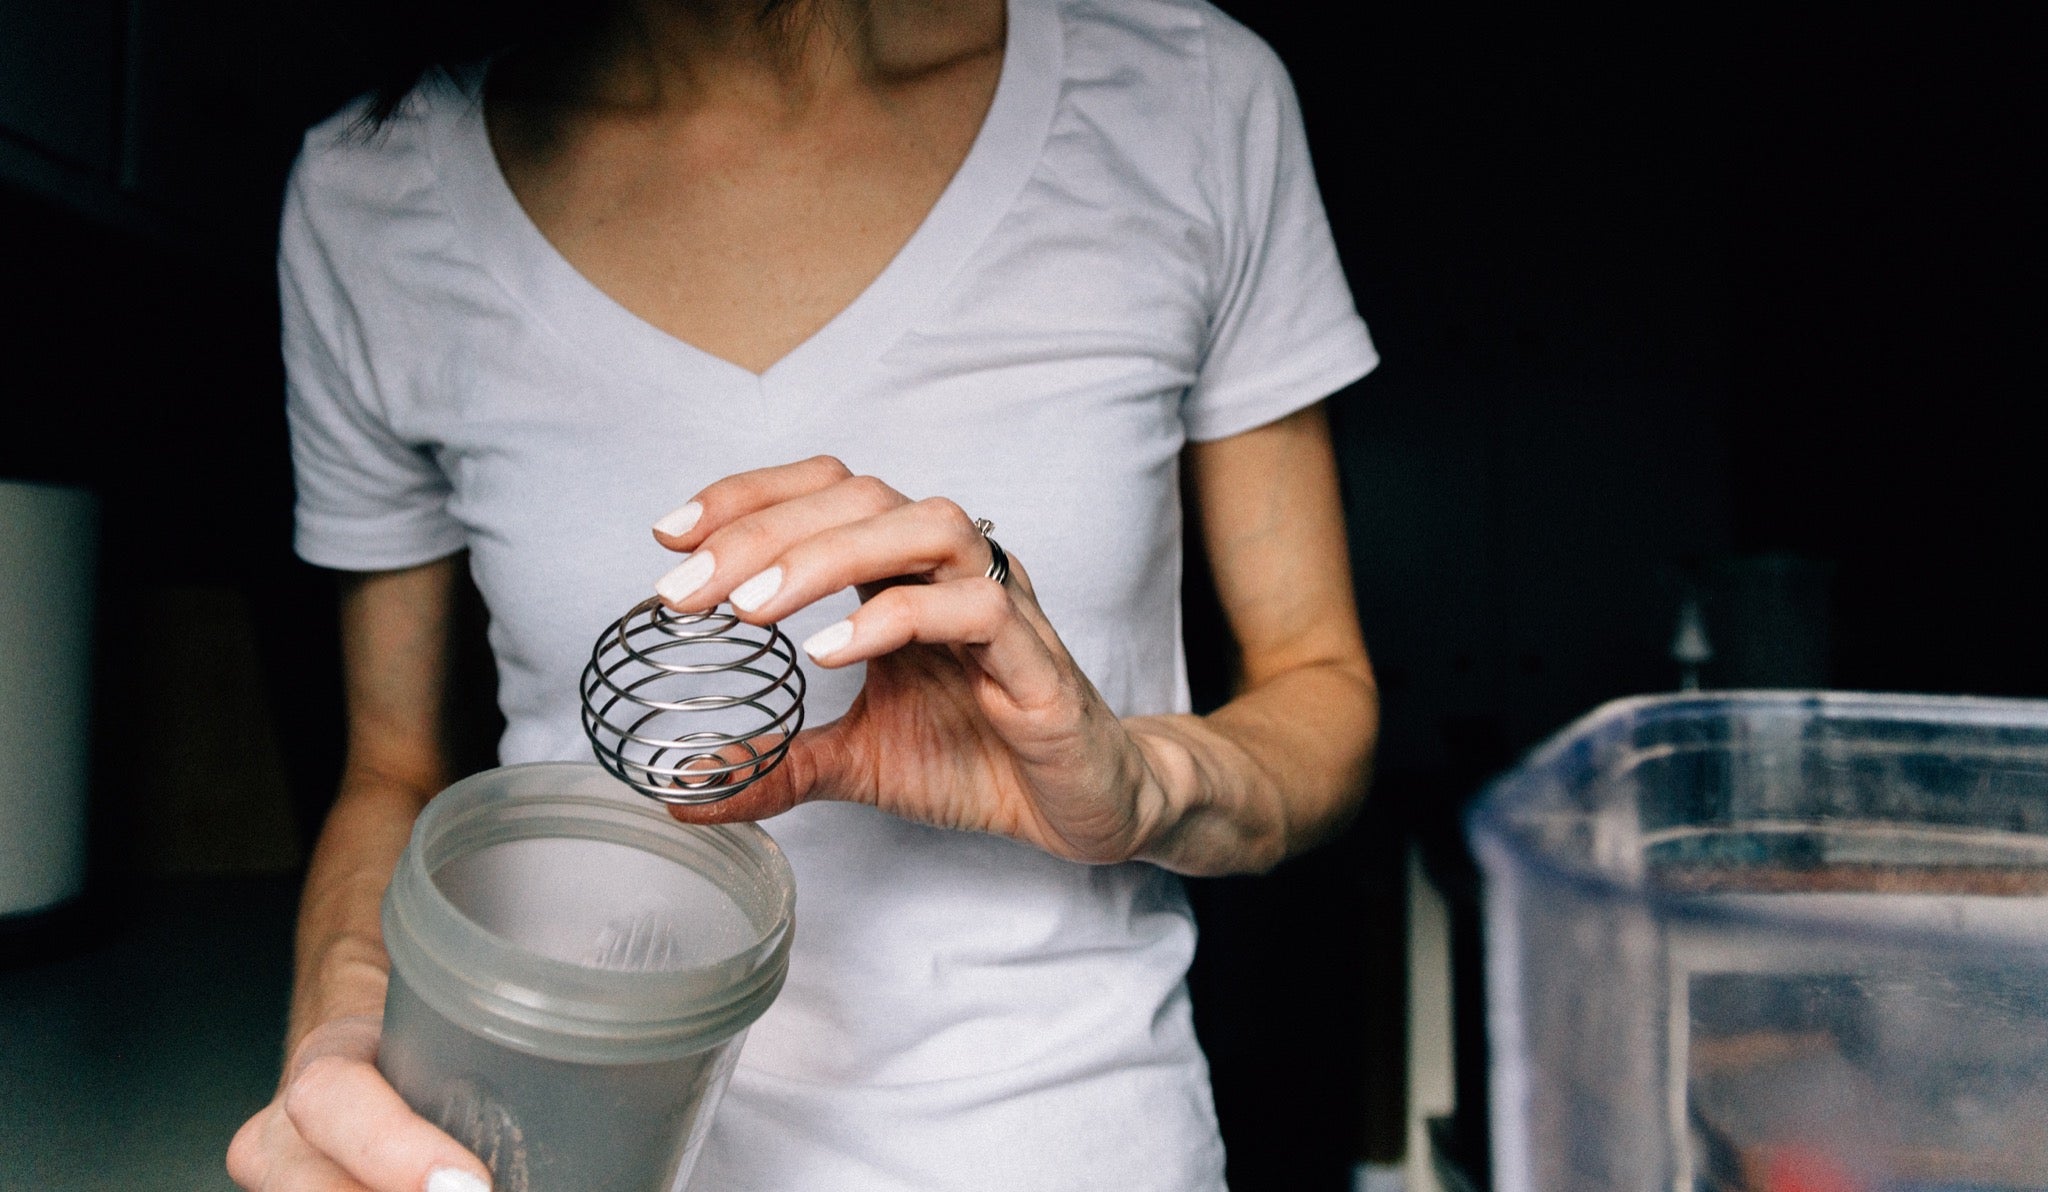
(49, 543)
(1760, 940)
(1663, 293)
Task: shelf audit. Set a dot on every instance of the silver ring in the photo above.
(998, 562)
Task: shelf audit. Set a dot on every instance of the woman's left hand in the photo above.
(973, 714)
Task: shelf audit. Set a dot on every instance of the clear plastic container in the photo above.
(573, 972)
(1772, 942)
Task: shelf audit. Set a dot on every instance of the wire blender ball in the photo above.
(690, 708)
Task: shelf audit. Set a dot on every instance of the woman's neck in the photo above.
(655, 57)
(669, 52)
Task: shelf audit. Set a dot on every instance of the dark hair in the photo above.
(458, 34)
(455, 35)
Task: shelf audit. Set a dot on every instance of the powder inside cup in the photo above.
(596, 903)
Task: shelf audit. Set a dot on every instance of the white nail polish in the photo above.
(757, 591)
(689, 576)
(679, 521)
(454, 1179)
(829, 640)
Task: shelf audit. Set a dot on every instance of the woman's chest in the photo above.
(1045, 368)
(1038, 383)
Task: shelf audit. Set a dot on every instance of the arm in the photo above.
(394, 640)
(335, 1125)
(1285, 762)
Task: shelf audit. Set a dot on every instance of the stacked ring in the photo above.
(998, 562)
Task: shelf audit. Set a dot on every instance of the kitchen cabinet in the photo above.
(174, 122)
(60, 81)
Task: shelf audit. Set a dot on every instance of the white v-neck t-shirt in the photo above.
(1132, 256)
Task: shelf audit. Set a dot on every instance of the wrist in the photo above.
(348, 982)
(1167, 783)
(1202, 814)
(343, 1035)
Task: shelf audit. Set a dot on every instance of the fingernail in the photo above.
(829, 640)
(454, 1179)
(757, 591)
(687, 577)
(679, 521)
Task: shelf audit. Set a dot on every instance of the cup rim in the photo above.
(1497, 822)
(558, 1008)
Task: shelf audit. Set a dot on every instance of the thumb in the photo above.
(809, 769)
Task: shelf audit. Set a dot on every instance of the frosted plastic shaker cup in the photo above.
(572, 974)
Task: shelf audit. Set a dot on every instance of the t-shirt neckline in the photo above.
(998, 165)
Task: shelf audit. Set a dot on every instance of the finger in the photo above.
(930, 538)
(1025, 597)
(746, 547)
(305, 1171)
(976, 613)
(344, 1109)
(714, 774)
(743, 493)
(267, 1155)
(249, 1161)
(789, 783)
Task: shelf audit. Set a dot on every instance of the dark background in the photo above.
(1669, 304)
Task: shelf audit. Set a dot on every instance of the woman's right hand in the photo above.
(336, 1125)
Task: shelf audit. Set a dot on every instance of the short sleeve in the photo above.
(367, 500)
(1285, 333)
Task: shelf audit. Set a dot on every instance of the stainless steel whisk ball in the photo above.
(690, 707)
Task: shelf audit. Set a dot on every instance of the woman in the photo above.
(848, 274)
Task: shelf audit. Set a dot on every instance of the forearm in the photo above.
(1273, 772)
(394, 639)
(341, 968)
(334, 1120)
